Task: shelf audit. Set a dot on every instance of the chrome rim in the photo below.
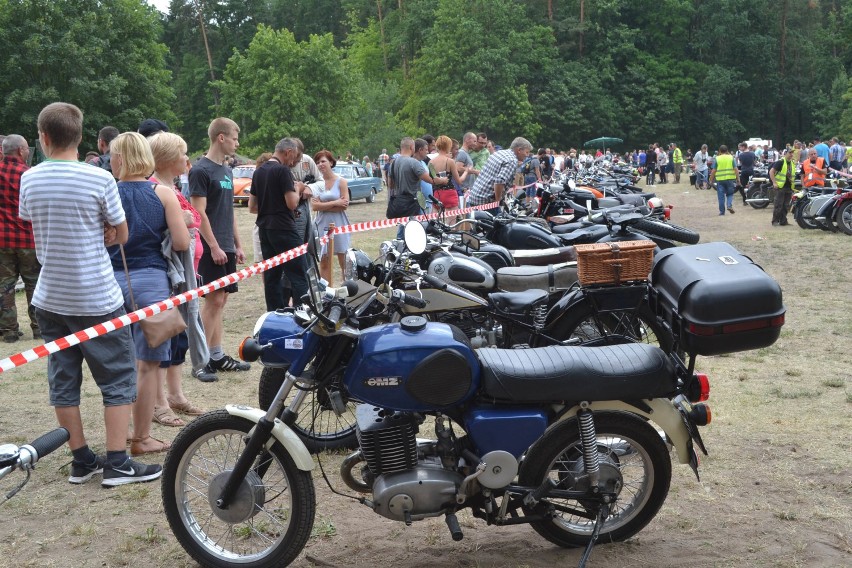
(265, 501)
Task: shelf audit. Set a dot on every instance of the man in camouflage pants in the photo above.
(17, 247)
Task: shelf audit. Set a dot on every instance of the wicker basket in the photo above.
(614, 263)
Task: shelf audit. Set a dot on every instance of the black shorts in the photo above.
(209, 271)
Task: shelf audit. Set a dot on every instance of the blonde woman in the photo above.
(169, 151)
(150, 210)
(443, 166)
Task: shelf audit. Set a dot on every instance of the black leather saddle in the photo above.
(631, 371)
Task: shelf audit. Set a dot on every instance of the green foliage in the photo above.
(106, 58)
(282, 87)
(358, 74)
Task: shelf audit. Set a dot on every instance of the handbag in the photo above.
(160, 327)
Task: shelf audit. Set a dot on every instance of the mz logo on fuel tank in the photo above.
(383, 381)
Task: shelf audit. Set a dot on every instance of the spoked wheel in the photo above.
(271, 517)
(634, 463)
(327, 417)
(585, 326)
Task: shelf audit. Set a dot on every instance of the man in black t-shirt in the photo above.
(211, 190)
(782, 175)
(275, 198)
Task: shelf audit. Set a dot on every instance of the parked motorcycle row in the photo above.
(470, 365)
(828, 208)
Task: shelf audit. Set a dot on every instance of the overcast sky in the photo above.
(161, 5)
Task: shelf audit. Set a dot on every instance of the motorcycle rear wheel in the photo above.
(318, 426)
(582, 324)
(631, 451)
(759, 192)
(271, 518)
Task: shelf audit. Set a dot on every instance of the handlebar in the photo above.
(435, 282)
(408, 299)
(27, 455)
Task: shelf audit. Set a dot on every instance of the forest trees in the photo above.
(556, 71)
(106, 57)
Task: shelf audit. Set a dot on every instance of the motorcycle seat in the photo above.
(590, 234)
(566, 228)
(631, 371)
(543, 257)
(552, 277)
(516, 302)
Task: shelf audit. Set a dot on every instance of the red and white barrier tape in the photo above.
(41, 351)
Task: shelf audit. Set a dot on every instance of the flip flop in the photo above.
(165, 416)
(136, 449)
(186, 408)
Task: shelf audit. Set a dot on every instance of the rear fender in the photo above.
(285, 436)
(663, 414)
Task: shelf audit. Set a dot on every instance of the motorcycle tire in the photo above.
(668, 231)
(758, 192)
(581, 325)
(319, 426)
(844, 217)
(271, 518)
(631, 452)
(801, 220)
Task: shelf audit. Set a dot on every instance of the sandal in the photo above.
(165, 416)
(137, 450)
(186, 408)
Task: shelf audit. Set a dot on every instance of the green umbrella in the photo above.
(603, 142)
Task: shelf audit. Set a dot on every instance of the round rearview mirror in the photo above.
(415, 237)
(572, 184)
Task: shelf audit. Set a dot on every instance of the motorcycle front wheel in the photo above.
(270, 519)
(326, 420)
(633, 458)
(844, 217)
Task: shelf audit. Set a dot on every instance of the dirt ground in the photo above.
(775, 491)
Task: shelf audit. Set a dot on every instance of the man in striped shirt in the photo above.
(75, 211)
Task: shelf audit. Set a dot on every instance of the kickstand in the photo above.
(599, 521)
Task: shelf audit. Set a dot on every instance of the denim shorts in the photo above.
(109, 357)
(150, 285)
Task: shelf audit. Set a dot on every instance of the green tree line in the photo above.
(359, 74)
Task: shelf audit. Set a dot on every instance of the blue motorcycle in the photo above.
(574, 441)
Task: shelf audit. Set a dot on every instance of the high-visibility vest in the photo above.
(781, 176)
(725, 167)
(677, 156)
(810, 177)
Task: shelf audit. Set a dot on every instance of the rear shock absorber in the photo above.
(589, 439)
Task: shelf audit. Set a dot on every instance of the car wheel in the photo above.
(372, 196)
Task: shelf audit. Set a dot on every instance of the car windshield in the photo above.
(243, 172)
(347, 172)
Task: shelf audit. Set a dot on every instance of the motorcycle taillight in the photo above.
(698, 389)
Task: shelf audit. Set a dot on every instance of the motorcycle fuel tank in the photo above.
(467, 272)
(413, 366)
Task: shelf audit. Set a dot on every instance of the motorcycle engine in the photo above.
(480, 333)
(405, 487)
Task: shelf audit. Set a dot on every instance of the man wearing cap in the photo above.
(781, 174)
(151, 126)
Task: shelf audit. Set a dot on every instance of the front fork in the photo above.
(258, 438)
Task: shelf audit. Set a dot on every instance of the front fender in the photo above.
(663, 414)
(291, 442)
